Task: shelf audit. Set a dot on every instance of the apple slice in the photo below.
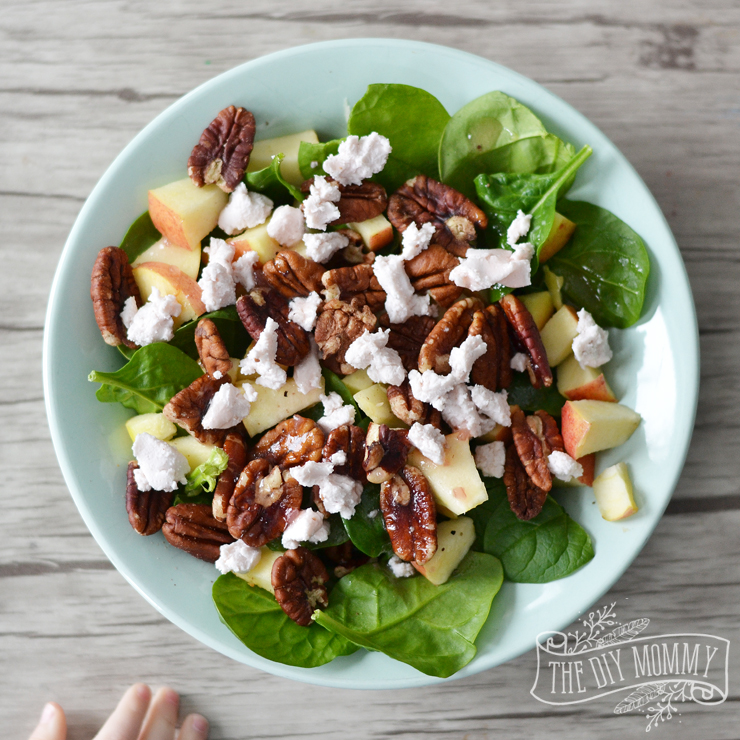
(454, 539)
(357, 381)
(261, 574)
(170, 281)
(155, 424)
(257, 240)
(554, 284)
(560, 233)
(614, 494)
(498, 434)
(376, 232)
(266, 149)
(558, 335)
(185, 213)
(577, 383)
(540, 306)
(590, 426)
(196, 452)
(188, 260)
(373, 400)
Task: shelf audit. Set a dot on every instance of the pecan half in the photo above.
(236, 450)
(410, 410)
(211, 348)
(350, 440)
(258, 510)
(111, 284)
(146, 509)
(407, 338)
(292, 442)
(525, 330)
(386, 451)
(454, 217)
(338, 325)
(293, 275)
(525, 498)
(546, 429)
(299, 579)
(260, 304)
(357, 202)
(188, 407)
(430, 271)
(447, 334)
(222, 154)
(345, 283)
(530, 450)
(410, 515)
(191, 527)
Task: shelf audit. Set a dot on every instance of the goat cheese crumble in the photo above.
(321, 247)
(228, 407)
(153, 322)
(307, 373)
(429, 441)
(303, 310)
(401, 301)
(369, 351)
(490, 459)
(339, 494)
(286, 226)
(161, 466)
(519, 362)
(591, 344)
(243, 269)
(237, 557)
(217, 284)
(336, 413)
(358, 158)
(518, 228)
(400, 568)
(261, 359)
(244, 210)
(305, 526)
(462, 414)
(463, 358)
(494, 405)
(563, 466)
(415, 240)
(319, 209)
(483, 268)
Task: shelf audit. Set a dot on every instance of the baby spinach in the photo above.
(229, 326)
(605, 265)
(149, 379)
(523, 394)
(309, 153)
(368, 533)
(412, 119)
(140, 236)
(254, 616)
(432, 628)
(270, 182)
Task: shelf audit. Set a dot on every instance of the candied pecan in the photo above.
(222, 154)
(299, 579)
(111, 284)
(258, 510)
(526, 332)
(352, 254)
(357, 202)
(146, 509)
(447, 334)
(260, 304)
(188, 407)
(350, 440)
(408, 337)
(530, 450)
(546, 429)
(409, 409)
(410, 515)
(386, 451)
(423, 200)
(525, 498)
(337, 326)
(347, 557)
(292, 442)
(192, 528)
(236, 450)
(293, 275)
(344, 283)
(430, 271)
(211, 348)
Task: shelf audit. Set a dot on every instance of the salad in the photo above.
(340, 357)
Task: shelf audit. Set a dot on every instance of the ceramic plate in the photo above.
(654, 371)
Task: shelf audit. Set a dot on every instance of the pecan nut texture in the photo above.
(258, 510)
(260, 304)
(410, 515)
(347, 558)
(236, 450)
(346, 283)
(493, 369)
(111, 284)
(350, 440)
(292, 442)
(525, 498)
(386, 451)
(546, 429)
(530, 450)
(357, 202)
(188, 407)
(211, 349)
(191, 527)
(146, 509)
(527, 334)
(338, 325)
(409, 409)
(299, 579)
(407, 338)
(430, 271)
(448, 333)
(454, 217)
(222, 154)
(292, 275)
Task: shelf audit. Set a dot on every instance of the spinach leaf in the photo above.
(496, 133)
(149, 379)
(254, 616)
(368, 533)
(412, 119)
(432, 628)
(309, 153)
(270, 182)
(523, 394)
(205, 476)
(605, 265)
(140, 236)
(543, 549)
(229, 326)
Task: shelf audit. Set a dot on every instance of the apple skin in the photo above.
(589, 426)
(560, 233)
(577, 383)
(614, 494)
(558, 335)
(171, 281)
(376, 232)
(187, 260)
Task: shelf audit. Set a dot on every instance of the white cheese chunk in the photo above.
(307, 373)
(319, 209)
(429, 387)
(244, 210)
(321, 247)
(303, 310)
(401, 302)
(462, 415)
(563, 466)
(429, 441)
(286, 226)
(261, 359)
(358, 158)
(483, 268)
(217, 286)
(237, 557)
(463, 358)
(518, 228)
(312, 473)
(399, 568)
(340, 494)
(591, 344)
(336, 414)
(415, 240)
(305, 526)
(227, 408)
(519, 362)
(153, 321)
(129, 311)
(338, 458)
(244, 269)
(161, 466)
(369, 352)
(494, 405)
(490, 459)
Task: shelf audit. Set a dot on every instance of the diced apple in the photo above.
(373, 400)
(185, 213)
(456, 486)
(261, 574)
(554, 284)
(454, 539)
(196, 452)
(590, 426)
(577, 383)
(188, 260)
(272, 406)
(266, 149)
(357, 381)
(257, 240)
(154, 424)
(558, 335)
(171, 281)
(540, 306)
(560, 233)
(614, 494)
(498, 434)
(588, 463)
(376, 232)
(233, 371)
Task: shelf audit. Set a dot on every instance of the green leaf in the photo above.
(254, 616)
(412, 119)
(229, 326)
(205, 476)
(523, 394)
(149, 379)
(432, 628)
(140, 236)
(270, 182)
(605, 265)
(368, 533)
(496, 133)
(309, 153)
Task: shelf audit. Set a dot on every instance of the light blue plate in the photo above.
(655, 369)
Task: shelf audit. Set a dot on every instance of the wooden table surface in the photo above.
(79, 79)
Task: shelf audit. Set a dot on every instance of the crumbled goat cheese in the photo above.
(303, 310)
(314, 164)
(563, 466)
(319, 209)
(307, 373)
(429, 441)
(312, 473)
(244, 210)
(524, 251)
(286, 226)
(218, 375)
(153, 321)
(372, 514)
(490, 459)
(244, 269)
(220, 252)
(217, 286)
(321, 247)
(369, 351)
(399, 568)
(484, 268)
(401, 302)
(340, 494)
(462, 415)
(519, 362)
(227, 408)
(336, 414)
(305, 526)
(358, 158)
(261, 359)
(129, 311)
(161, 466)
(494, 405)
(338, 458)
(238, 557)
(463, 358)
(591, 345)
(429, 387)
(518, 228)
(415, 240)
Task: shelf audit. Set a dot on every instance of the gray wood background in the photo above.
(79, 79)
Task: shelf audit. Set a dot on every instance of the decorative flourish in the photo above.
(624, 633)
(595, 624)
(663, 693)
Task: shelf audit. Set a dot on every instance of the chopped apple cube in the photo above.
(272, 406)
(498, 434)
(288, 146)
(261, 574)
(376, 232)
(357, 381)
(154, 424)
(558, 335)
(560, 233)
(614, 494)
(590, 426)
(540, 306)
(454, 539)
(170, 281)
(188, 260)
(257, 240)
(554, 284)
(373, 400)
(577, 383)
(196, 452)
